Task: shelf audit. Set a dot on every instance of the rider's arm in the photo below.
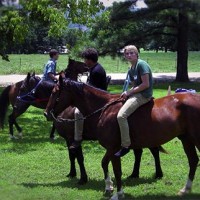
(52, 76)
(144, 85)
(61, 73)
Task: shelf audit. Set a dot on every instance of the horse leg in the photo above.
(72, 158)
(19, 129)
(136, 168)
(12, 121)
(193, 159)
(108, 182)
(155, 153)
(52, 135)
(80, 159)
(116, 163)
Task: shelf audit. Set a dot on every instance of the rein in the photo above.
(31, 96)
(60, 119)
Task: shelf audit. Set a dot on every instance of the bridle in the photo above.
(61, 120)
(31, 96)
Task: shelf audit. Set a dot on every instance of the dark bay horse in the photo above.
(10, 93)
(66, 130)
(153, 124)
(8, 96)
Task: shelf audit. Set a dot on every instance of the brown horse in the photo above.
(155, 123)
(10, 93)
(66, 130)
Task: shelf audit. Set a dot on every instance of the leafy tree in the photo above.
(169, 22)
(54, 15)
(12, 28)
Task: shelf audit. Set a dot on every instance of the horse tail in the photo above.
(162, 150)
(4, 103)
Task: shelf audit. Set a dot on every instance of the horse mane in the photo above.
(47, 84)
(79, 86)
(95, 88)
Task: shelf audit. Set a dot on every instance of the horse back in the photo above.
(154, 123)
(163, 119)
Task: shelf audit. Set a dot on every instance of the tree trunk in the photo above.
(182, 48)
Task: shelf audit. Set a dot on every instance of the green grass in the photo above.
(159, 62)
(35, 169)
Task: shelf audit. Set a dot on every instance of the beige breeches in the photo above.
(126, 110)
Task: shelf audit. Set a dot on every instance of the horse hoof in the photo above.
(108, 193)
(52, 139)
(20, 135)
(132, 176)
(184, 191)
(83, 181)
(119, 195)
(71, 175)
(12, 137)
(158, 176)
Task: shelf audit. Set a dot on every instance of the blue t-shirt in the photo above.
(50, 67)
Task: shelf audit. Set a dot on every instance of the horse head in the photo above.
(74, 68)
(62, 97)
(26, 91)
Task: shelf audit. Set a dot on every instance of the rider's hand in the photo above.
(124, 95)
(62, 73)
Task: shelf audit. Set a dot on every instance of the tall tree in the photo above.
(170, 19)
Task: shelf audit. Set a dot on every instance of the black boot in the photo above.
(122, 152)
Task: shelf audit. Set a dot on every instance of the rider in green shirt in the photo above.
(141, 76)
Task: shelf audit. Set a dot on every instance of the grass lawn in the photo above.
(160, 62)
(35, 169)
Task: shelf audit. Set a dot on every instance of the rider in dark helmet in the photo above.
(97, 78)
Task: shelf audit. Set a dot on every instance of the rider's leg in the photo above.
(126, 110)
(78, 131)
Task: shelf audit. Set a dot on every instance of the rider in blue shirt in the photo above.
(49, 73)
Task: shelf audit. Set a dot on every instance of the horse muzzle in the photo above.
(48, 116)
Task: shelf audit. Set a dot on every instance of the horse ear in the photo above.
(60, 80)
(28, 77)
(33, 74)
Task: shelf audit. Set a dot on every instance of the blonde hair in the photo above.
(131, 47)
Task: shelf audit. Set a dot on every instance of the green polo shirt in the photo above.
(135, 74)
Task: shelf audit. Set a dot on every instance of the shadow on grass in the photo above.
(138, 181)
(159, 197)
(92, 183)
(70, 183)
(98, 185)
